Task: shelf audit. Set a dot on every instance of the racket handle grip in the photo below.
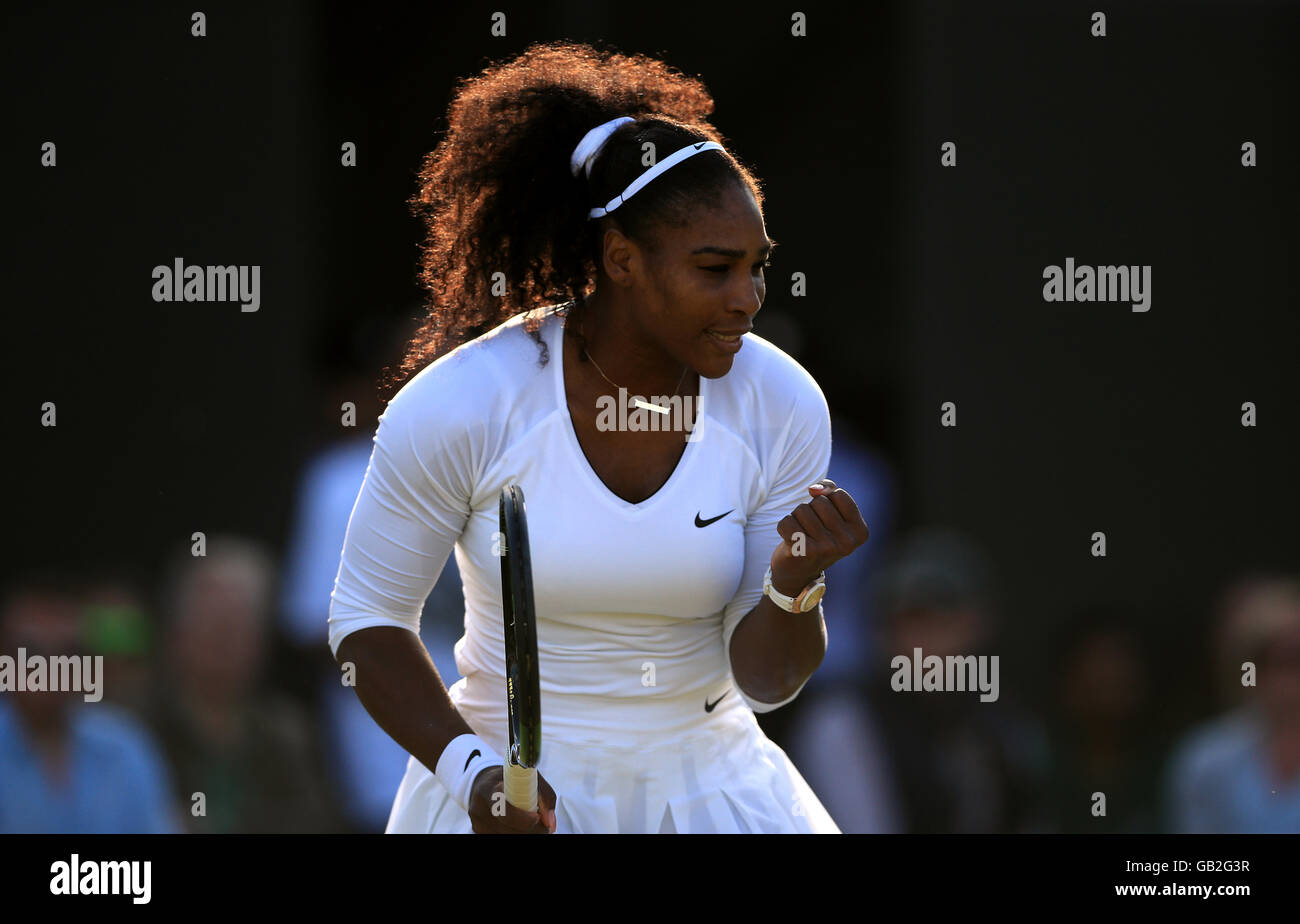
(521, 786)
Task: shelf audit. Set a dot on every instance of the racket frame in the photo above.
(523, 682)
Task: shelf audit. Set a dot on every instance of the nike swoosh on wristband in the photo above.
(472, 754)
(708, 706)
(703, 523)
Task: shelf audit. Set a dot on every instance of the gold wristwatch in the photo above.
(806, 600)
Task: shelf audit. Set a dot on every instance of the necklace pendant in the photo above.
(659, 408)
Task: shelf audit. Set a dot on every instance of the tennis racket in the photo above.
(523, 695)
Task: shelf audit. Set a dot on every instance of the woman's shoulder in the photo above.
(764, 378)
(477, 380)
(507, 351)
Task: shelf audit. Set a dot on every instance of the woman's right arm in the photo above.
(413, 506)
(400, 688)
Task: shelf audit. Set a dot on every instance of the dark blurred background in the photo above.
(924, 286)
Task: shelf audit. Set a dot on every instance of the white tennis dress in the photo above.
(643, 727)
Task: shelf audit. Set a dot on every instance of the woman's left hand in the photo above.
(831, 528)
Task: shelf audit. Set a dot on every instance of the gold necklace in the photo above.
(638, 402)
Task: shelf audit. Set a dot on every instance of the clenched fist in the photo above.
(831, 528)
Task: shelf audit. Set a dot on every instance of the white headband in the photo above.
(584, 155)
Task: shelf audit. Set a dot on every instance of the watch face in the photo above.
(814, 597)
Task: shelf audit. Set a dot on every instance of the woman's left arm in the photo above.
(773, 653)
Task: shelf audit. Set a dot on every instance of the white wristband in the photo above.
(464, 758)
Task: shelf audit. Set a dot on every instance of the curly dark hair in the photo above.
(497, 195)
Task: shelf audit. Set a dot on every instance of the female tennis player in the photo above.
(592, 232)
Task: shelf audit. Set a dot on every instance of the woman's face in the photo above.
(704, 277)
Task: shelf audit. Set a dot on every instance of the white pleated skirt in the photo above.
(723, 778)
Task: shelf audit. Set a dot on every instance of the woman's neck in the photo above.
(616, 345)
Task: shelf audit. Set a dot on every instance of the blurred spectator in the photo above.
(1101, 727)
(244, 748)
(366, 765)
(851, 602)
(69, 766)
(850, 608)
(1240, 773)
(860, 468)
(117, 627)
(347, 363)
(925, 762)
